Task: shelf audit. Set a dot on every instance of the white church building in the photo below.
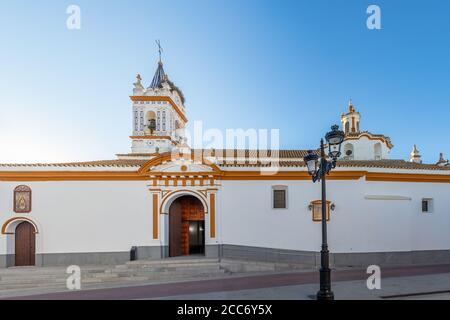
(165, 200)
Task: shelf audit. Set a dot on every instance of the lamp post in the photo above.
(318, 169)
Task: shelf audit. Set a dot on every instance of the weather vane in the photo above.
(160, 49)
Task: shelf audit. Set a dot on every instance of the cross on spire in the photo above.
(351, 109)
(160, 50)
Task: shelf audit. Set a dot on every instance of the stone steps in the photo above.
(44, 271)
(136, 272)
(131, 272)
(92, 283)
(152, 268)
(172, 262)
(89, 282)
(30, 286)
(244, 266)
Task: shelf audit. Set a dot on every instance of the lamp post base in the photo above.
(325, 295)
(325, 292)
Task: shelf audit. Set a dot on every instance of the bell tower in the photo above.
(350, 120)
(159, 118)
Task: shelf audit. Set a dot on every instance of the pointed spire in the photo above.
(159, 76)
(415, 155)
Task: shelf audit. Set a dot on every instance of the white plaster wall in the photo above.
(150, 145)
(247, 217)
(364, 149)
(426, 231)
(85, 216)
(114, 216)
(357, 224)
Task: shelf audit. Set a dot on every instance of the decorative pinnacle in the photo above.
(138, 83)
(351, 109)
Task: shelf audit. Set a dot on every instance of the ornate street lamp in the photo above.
(318, 169)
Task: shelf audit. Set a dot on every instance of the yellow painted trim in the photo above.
(168, 157)
(212, 215)
(144, 175)
(8, 222)
(407, 177)
(155, 216)
(172, 175)
(151, 137)
(370, 137)
(201, 197)
(164, 98)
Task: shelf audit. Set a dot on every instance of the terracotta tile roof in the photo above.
(239, 153)
(392, 164)
(100, 163)
(251, 160)
(283, 154)
(386, 164)
(137, 154)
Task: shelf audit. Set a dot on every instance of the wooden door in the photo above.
(192, 210)
(182, 211)
(185, 238)
(175, 222)
(25, 245)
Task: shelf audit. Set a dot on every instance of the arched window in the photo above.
(348, 152)
(22, 199)
(347, 127)
(151, 115)
(377, 151)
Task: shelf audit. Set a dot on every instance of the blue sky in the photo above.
(291, 65)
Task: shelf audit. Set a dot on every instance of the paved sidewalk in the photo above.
(348, 284)
(409, 288)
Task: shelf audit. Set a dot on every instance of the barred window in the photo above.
(136, 121)
(279, 197)
(163, 121)
(158, 121)
(427, 205)
(142, 121)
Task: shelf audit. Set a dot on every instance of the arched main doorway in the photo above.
(186, 227)
(25, 245)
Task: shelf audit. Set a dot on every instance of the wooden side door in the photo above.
(192, 210)
(25, 245)
(175, 222)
